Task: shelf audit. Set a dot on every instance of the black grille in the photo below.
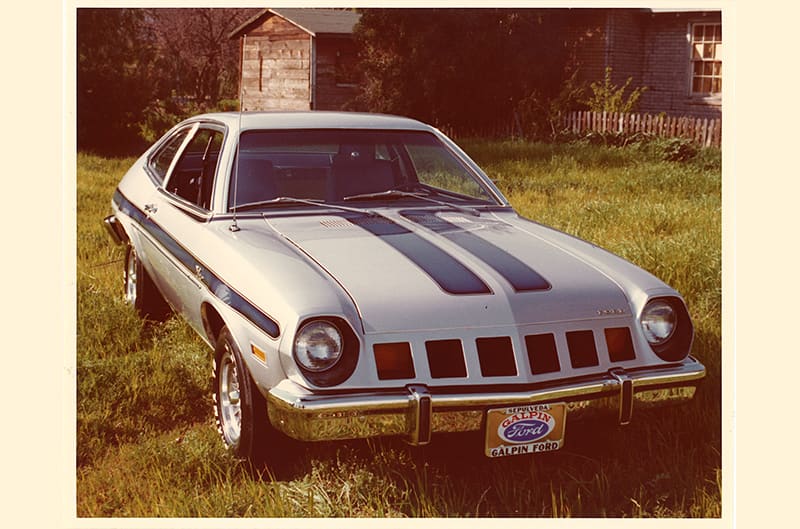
(496, 356)
(620, 344)
(393, 361)
(542, 353)
(582, 349)
(446, 358)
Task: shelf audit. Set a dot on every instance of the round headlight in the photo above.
(318, 345)
(658, 321)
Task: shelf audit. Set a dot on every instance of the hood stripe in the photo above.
(214, 283)
(449, 273)
(522, 277)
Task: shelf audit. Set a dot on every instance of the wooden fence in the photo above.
(704, 131)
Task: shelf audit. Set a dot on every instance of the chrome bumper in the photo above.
(418, 411)
(114, 230)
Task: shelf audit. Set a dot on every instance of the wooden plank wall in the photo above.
(276, 67)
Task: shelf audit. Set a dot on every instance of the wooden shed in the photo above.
(298, 59)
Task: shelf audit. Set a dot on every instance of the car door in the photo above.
(181, 207)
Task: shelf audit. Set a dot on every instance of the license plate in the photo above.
(525, 429)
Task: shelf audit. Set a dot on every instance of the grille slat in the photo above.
(446, 359)
(496, 356)
(582, 349)
(620, 344)
(394, 361)
(542, 353)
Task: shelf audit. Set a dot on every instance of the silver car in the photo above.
(358, 275)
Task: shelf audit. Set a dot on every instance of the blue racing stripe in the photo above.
(217, 286)
(445, 270)
(522, 277)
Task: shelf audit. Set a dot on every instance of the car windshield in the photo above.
(350, 166)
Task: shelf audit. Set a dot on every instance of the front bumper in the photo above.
(418, 411)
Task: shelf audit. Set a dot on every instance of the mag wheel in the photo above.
(239, 408)
(131, 277)
(140, 291)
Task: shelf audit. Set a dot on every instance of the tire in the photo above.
(140, 291)
(240, 410)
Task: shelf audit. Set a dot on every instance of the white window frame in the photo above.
(717, 58)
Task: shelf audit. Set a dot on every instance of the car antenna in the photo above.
(235, 226)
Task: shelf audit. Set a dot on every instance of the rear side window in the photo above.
(193, 176)
(160, 162)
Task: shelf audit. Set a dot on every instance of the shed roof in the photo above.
(313, 21)
(657, 10)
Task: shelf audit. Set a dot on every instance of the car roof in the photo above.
(314, 120)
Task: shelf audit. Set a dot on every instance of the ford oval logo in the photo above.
(526, 427)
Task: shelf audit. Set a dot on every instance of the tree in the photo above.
(141, 70)
(114, 78)
(195, 55)
(464, 68)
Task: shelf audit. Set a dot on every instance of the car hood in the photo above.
(412, 270)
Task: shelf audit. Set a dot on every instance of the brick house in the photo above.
(675, 53)
(298, 59)
(304, 59)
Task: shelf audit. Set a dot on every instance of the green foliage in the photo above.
(541, 115)
(461, 68)
(162, 114)
(676, 149)
(114, 79)
(608, 97)
(227, 105)
(138, 69)
(146, 444)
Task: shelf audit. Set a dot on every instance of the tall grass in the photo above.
(146, 442)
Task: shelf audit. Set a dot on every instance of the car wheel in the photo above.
(239, 408)
(140, 291)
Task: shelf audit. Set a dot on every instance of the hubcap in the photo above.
(230, 408)
(130, 278)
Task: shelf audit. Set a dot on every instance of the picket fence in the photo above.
(704, 131)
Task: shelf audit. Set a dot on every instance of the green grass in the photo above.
(146, 445)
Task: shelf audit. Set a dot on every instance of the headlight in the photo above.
(318, 346)
(658, 322)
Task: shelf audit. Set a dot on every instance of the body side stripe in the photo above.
(215, 285)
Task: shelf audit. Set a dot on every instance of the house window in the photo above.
(706, 49)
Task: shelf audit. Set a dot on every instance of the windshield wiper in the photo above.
(293, 200)
(396, 193)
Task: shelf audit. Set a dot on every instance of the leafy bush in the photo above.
(615, 139)
(227, 105)
(675, 149)
(608, 97)
(163, 114)
(541, 115)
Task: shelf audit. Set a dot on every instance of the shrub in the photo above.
(163, 114)
(541, 116)
(676, 149)
(608, 97)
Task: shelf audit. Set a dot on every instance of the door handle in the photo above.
(150, 208)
